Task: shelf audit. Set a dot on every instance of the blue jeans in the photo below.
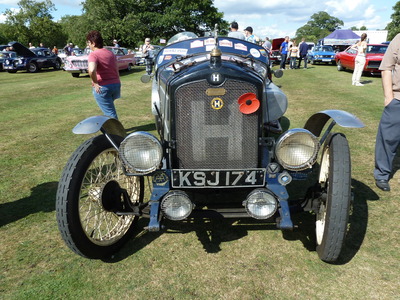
(105, 99)
(293, 62)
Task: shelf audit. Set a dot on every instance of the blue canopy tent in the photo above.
(341, 37)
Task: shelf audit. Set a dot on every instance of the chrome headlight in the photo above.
(141, 152)
(260, 204)
(297, 149)
(176, 205)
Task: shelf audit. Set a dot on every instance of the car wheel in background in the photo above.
(57, 65)
(33, 67)
(339, 66)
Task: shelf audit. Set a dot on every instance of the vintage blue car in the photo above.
(31, 60)
(220, 152)
(6, 55)
(321, 54)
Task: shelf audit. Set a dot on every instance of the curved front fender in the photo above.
(316, 122)
(94, 124)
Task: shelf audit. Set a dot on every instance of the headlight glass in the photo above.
(261, 204)
(297, 149)
(176, 205)
(141, 152)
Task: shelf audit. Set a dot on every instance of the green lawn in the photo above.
(212, 260)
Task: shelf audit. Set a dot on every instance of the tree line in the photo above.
(131, 21)
(128, 21)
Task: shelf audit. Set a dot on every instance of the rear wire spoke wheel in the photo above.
(333, 213)
(87, 220)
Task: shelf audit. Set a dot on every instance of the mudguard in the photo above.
(316, 122)
(104, 123)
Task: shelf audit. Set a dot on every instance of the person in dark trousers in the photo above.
(284, 49)
(388, 136)
(303, 50)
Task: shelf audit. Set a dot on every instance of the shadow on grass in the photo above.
(42, 198)
(212, 232)
(357, 225)
(147, 127)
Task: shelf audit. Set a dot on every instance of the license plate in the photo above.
(221, 178)
(326, 59)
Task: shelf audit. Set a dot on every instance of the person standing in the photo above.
(115, 42)
(148, 54)
(303, 51)
(103, 71)
(267, 45)
(249, 34)
(235, 33)
(284, 48)
(294, 52)
(69, 49)
(361, 47)
(388, 135)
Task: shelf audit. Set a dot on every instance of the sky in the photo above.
(271, 18)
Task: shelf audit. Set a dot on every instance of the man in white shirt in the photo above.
(235, 33)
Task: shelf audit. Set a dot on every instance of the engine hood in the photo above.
(276, 43)
(21, 50)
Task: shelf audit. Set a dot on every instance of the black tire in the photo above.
(33, 67)
(339, 66)
(75, 75)
(333, 214)
(86, 225)
(57, 65)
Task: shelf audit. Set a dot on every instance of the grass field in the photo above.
(212, 260)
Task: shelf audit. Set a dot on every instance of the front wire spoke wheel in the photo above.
(87, 213)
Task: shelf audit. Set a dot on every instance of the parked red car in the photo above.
(275, 56)
(374, 55)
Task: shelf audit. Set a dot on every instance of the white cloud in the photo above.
(9, 2)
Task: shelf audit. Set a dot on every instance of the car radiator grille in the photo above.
(374, 64)
(208, 138)
(81, 64)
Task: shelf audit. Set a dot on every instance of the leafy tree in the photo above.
(75, 29)
(355, 28)
(33, 23)
(130, 21)
(394, 26)
(319, 26)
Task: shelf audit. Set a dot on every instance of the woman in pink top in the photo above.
(103, 71)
